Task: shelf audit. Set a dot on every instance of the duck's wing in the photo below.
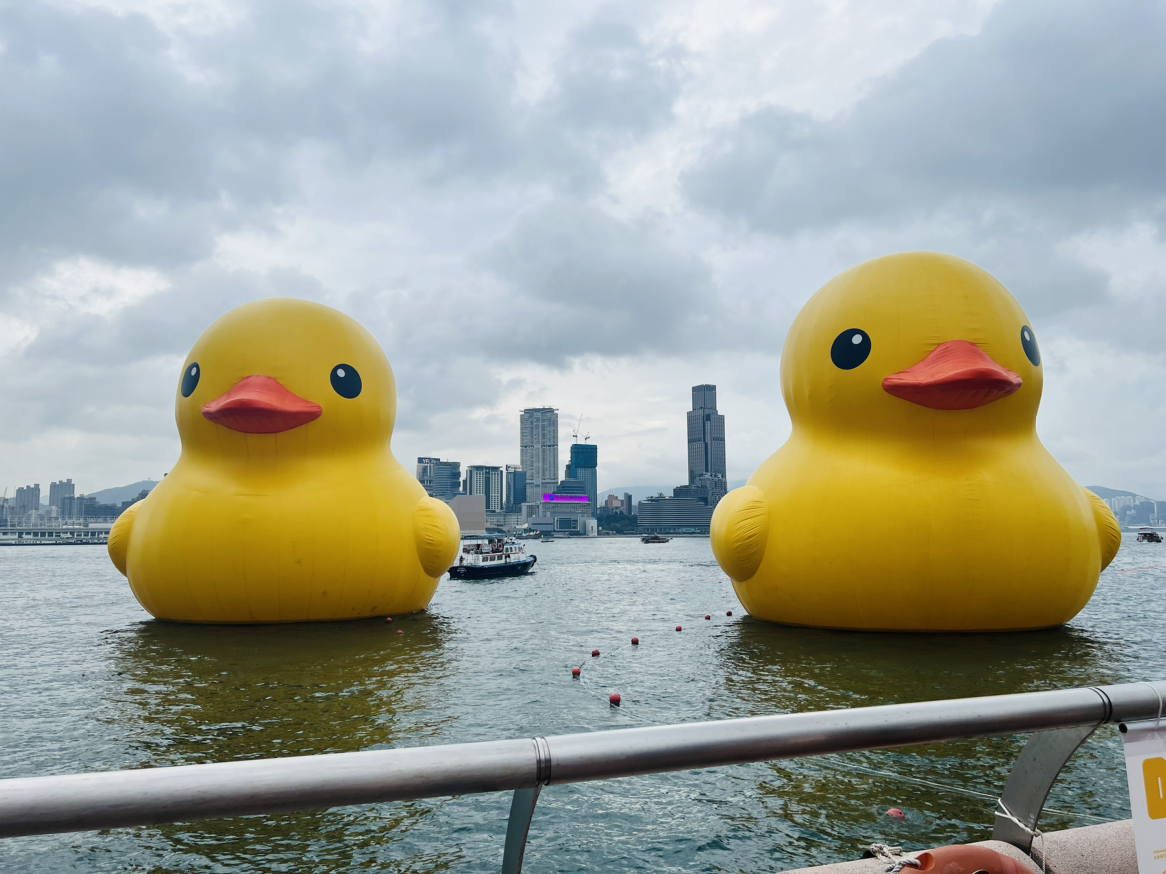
(119, 537)
(1108, 530)
(740, 531)
(437, 535)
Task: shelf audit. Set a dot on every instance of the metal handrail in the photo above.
(116, 799)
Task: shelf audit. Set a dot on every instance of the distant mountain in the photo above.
(123, 493)
(1105, 494)
(641, 492)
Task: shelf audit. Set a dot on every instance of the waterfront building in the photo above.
(706, 435)
(673, 515)
(484, 480)
(59, 490)
(538, 438)
(583, 467)
(27, 499)
(440, 479)
(515, 488)
(613, 504)
(470, 511)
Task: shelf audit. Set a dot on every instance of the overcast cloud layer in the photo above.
(587, 205)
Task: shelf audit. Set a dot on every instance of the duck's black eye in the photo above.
(850, 349)
(346, 381)
(1028, 341)
(190, 379)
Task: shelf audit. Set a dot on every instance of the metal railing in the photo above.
(116, 799)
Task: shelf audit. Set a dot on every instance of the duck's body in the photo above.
(314, 521)
(939, 513)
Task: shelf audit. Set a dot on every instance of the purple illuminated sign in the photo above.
(565, 499)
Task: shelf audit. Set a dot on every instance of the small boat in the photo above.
(492, 557)
(1149, 535)
(654, 538)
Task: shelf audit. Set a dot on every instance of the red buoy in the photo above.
(679, 628)
(728, 612)
(635, 641)
(399, 631)
(388, 619)
(895, 813)
(594, 653)
(706, 616)
(576, 672)
(614, 699)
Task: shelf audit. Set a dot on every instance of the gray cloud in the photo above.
(1056, 106)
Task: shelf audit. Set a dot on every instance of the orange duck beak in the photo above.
(957, 375)
(260, 405)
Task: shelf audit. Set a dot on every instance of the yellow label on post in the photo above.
(1154, 773)
(1145, 748)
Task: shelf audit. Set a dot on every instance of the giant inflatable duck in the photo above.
(286, 504)
(913, 493)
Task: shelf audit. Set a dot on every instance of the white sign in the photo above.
(1145, 744)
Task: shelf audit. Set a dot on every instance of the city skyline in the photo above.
(622, 198)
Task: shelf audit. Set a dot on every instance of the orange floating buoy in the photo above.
(679, 628)
(576, 672)
(614, 699)
(963, 858)
(895, 813)
(594, 653)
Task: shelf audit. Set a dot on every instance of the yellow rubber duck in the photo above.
(913, 493)
(286, 504)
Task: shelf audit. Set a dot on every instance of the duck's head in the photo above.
(285, 378)
(912, 345)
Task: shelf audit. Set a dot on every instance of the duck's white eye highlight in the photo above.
(856, 339)
(194, 370)
(340, 372)
(1027, 336)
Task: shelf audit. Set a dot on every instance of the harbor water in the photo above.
(91, 683)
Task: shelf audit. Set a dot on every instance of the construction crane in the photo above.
(579, 427)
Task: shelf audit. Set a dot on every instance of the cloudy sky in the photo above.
(582, 204)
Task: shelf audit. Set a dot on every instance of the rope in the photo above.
(1157, 695)
(887, 854)
(1033, 833)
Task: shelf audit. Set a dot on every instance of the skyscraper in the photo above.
(440, 479)
(538, 439)
(706, 435)
(58, 490)
(515, 488)
(27, 499)
(482, 479)
(584, 461)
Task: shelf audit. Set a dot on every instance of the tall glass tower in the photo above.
(584, 461)
(538, 441)
(706, 435)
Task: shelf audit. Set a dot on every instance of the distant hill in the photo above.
(123, 493)
(1107, 494)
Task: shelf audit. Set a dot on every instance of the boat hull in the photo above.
(509, 569)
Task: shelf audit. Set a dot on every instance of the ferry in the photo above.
(654, 538)
(492, 557)
(1149, 535)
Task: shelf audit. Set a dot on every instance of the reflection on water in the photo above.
(204, 693)
(90, 684)
(791, 668)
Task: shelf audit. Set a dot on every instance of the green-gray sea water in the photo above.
(88, 682)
